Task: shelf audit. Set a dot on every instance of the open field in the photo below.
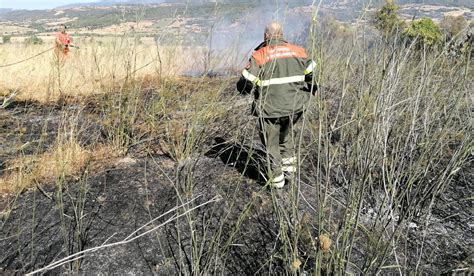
(100, 65)
(133, 156)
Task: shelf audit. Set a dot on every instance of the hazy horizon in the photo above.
(51, 4)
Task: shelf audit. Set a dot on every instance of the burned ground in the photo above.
(239, 230)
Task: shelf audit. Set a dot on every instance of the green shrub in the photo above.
(425, 30)
(386, 19)
(6, 38)
(33, 40)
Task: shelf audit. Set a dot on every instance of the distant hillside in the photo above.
(456, 3)
(465, 3)
(197, 17)
(5, 11)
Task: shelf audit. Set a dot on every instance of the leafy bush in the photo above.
(386, 19)
(6, 38)
(425, 30)
(33, 40)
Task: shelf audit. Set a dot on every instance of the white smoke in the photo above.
(231, 40)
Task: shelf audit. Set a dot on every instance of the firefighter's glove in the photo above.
(311, 85)
(244, 86)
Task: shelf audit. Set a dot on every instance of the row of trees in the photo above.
(426, 32)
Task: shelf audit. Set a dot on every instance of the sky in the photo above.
(37, 4)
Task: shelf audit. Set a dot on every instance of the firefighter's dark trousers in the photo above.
(278, 138)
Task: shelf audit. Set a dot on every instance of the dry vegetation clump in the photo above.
(195, 117)
(46, 145)
(173, 112)
(64, 160)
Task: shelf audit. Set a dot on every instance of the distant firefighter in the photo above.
(280, 75)
(63, 40)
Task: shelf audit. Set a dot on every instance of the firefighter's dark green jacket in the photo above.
(280, 74)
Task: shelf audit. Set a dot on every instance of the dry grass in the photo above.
(99, 66)
(66, 160)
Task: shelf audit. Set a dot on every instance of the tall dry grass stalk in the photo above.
(401, 118)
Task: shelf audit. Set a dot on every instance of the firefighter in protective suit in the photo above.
(63, 41)
(280, 75)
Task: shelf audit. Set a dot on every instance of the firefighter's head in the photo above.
(274, 30)
(62, 28)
